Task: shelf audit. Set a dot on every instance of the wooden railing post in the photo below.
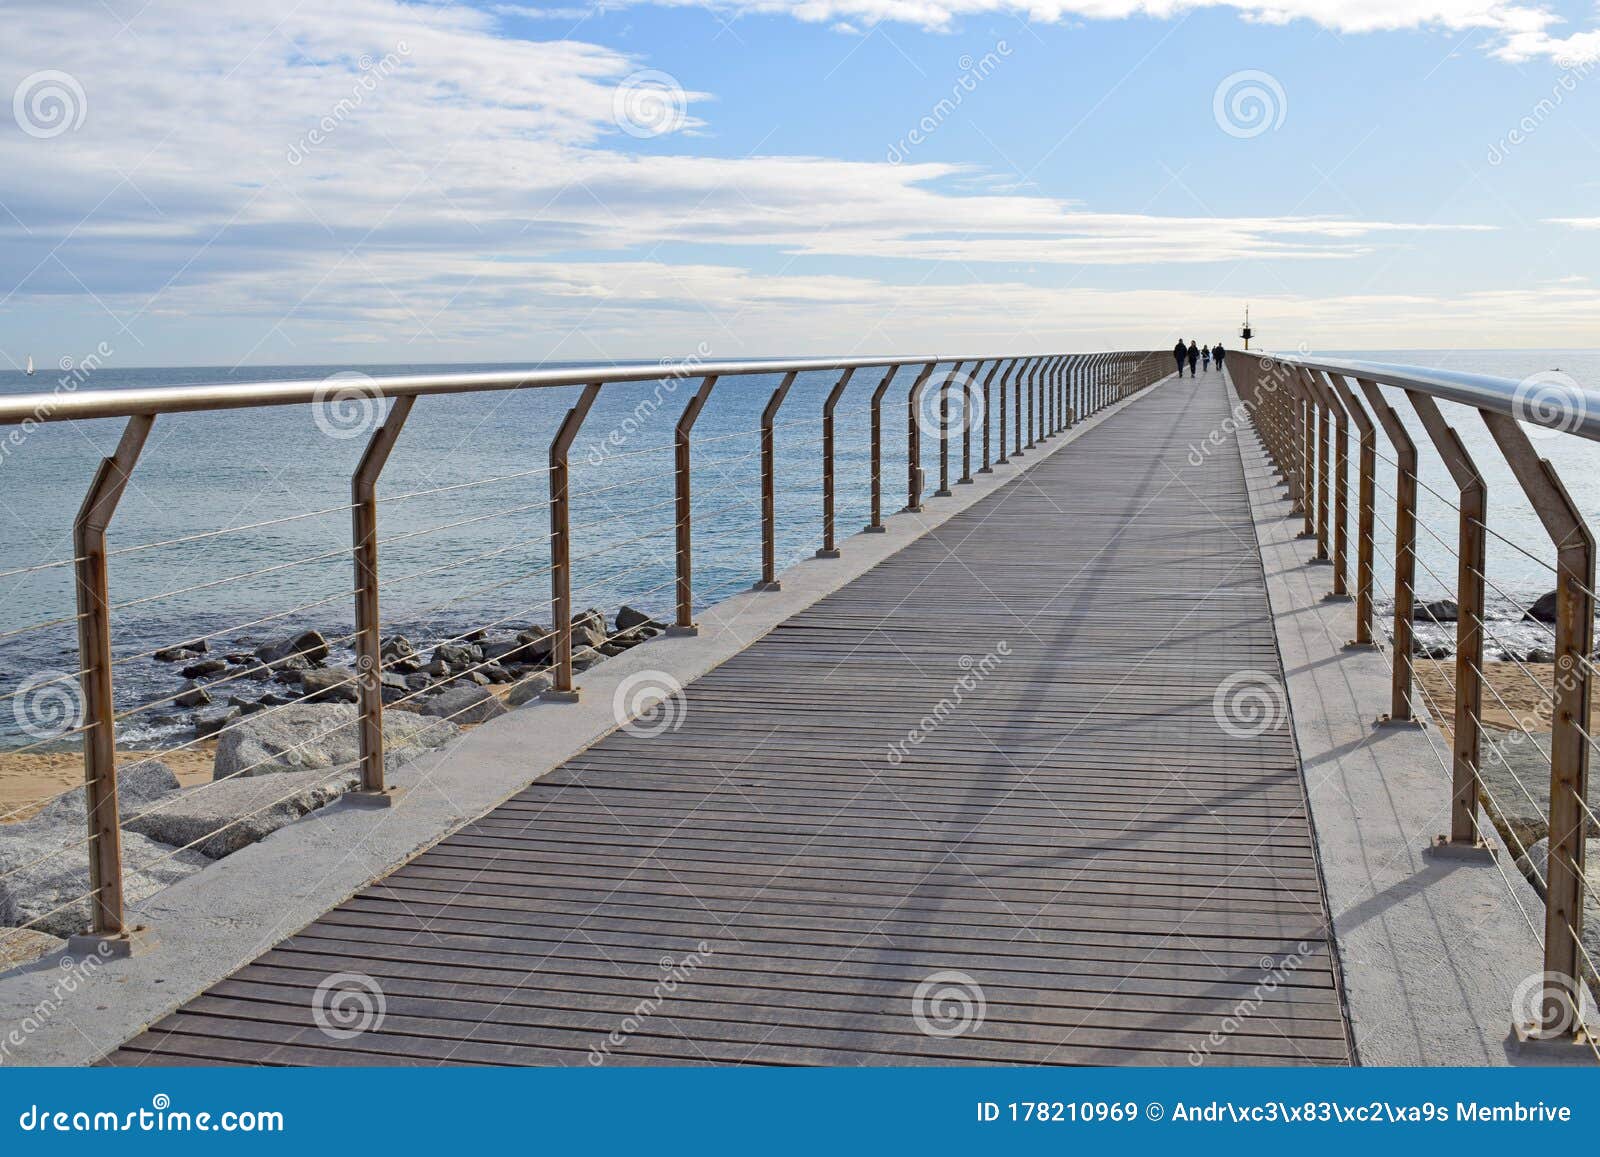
(1469, 624)
(1561, 1003)
(987, 466)
(107, 934)
(683, 526)
(1011, 368)
(1405, 552)
(1337, 464)
(875, 526)
(828, 548)
(563, 691)
(369, 641)
(1032, 379)
(944, 431)
(1308, 457)
(769, 487)
(914, 441)
(1366, 508)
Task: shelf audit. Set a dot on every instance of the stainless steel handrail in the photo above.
(114, 403)
(1514, 399)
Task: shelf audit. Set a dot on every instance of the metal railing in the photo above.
(1055, 392)
(1303, 408)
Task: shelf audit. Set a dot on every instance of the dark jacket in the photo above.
(1194, 352)
(1180, 351)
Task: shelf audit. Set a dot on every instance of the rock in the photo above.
(537, 642)
(308, 646)
(419, 681)
(195, 696)
(588, 629)
(495, 673)
(476, 677)
(1534, 864)
(609, 649)
(1440, 610)
(290, 676)
(205, 667)
(241, 658)
(309, 736)
(1543, 610)
(396, 647)
(220, 818)
(36, 885)
(1430, 650)
(466, 704)
(209, 723)
(586, 660)
(182, 651)
(246, 706)
(138, 786)
(629, 619)
(496, 650)
(1539, 655)
(19, 946)
(457, 655)
(529, 689)
(330, 684)
(438, 669)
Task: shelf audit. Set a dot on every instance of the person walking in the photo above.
(1205, 358)
(1179, 352)
(1218, 354)
(1194, 355)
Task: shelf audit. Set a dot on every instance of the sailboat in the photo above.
(30, 365)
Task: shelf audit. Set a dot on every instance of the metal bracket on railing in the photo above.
(828, 548)
(1561, 1003)
(561, 548)
(107, 935)
(876, 525)
(683, 527)
(1470, 570)
(368, 641)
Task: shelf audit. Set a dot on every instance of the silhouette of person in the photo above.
(1218, 355)
(1205, 358)
(1179, 352)
(1194, 355)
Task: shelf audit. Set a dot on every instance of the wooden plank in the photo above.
(995, 757)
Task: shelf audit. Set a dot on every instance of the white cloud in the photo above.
(1575, 222)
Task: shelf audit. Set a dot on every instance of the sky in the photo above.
(232, 183)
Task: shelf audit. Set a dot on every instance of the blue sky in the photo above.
(373, 181)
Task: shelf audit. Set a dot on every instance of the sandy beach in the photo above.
(1517, 695)
(30, 780)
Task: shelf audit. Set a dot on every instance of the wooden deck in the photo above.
(1118, 879)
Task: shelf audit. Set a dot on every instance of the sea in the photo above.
(236, 522)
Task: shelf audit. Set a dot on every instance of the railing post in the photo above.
(1308, 458)
(563, 690)
(685, 624)
(1337, 465)
(875, 526)
(969, 386)
(1561, 1003)
(107, 932)
(1033, 376)
(1018, 388)
(944, 432)
(369, 643)
(769, 487)
(1366, 508)
(1405, 551)
(828, 549)
(1469, 624)
(914, 441)
(988, 410)
(1071, 390)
